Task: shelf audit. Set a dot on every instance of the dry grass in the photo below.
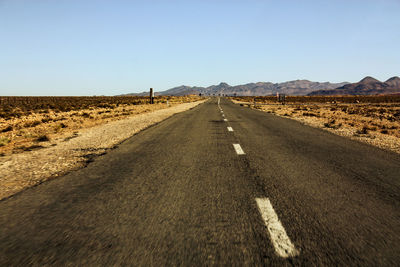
(25, 122)
(43, 160)
(374, 123)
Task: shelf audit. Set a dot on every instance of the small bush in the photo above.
(4, 141)
(32, 123)
(332, 124)
(310, 114)
(85, 115)
(44, 120)
(42, 138)
(32, 147)
(364, 130)
(7, 129)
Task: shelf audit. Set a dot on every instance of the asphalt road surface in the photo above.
(190, 191)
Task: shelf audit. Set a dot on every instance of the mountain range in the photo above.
(297, 87)
(367, 86)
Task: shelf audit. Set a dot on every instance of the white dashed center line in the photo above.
(282, 244)
(238, 149)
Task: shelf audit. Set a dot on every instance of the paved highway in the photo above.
(217, 185)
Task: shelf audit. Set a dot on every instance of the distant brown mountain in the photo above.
(367, 86)
(297, 87)
(394, 81)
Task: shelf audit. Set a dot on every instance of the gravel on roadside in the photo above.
(30, 168)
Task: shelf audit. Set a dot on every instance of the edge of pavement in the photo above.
(31, 168)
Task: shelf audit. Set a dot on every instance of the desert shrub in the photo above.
(7, 129)
(351, 111)
(310, 114)
(4, 141)
(85, 115)
(297, 108)
(47, 119)
(42, 138)
(391, 118)
(363, 130)
(32, 123)
(32, 147)
(332, 124)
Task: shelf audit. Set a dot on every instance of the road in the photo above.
(219, 184)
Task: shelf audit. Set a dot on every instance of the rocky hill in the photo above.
(367, 86)
(297, 87)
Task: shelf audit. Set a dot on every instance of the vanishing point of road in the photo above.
(221, 185)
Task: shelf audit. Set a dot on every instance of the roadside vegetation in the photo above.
(28, 123)
(373, 119)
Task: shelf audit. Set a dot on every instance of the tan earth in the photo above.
(375, 124)
(69, 148)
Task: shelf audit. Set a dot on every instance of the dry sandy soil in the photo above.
(375, 124)
(33, 154)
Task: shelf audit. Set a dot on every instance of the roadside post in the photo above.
(281, 98)
(151, 96)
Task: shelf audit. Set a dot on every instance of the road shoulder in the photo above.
(24, 170)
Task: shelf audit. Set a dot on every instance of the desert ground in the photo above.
(37, 144)
(28, 123)
(370, 119)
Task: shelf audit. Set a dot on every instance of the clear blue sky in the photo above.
(88, 47)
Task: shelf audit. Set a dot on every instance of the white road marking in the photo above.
(282, 244)
(223, 115)
(225, 120)
(230, 129)
(238, 149)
